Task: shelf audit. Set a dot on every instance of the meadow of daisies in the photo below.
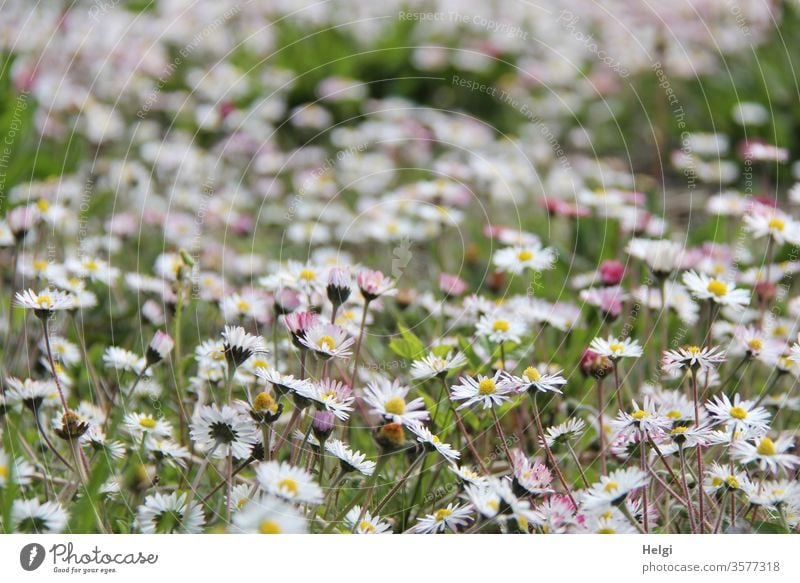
(399, 267)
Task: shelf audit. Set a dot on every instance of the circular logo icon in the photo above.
(31, 556)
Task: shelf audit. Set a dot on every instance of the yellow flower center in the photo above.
(780, 330)
(525, 255)
(40, 265)
(675, 415)
(326, 342)
(395, 406)
(738, 413)
(678, 430)
(716, 482)
(243, 305)
(4, 472)
(43, 205)
(91, 265)
(639, 415)
(693, 349)
(147, 422)
(717, 288)
(435, 439)
(777, 224)
(259, 363)
(288, 484)
(500, 326)
(308, 274)
(611, 487)
(44, 301)
(442, 513)
(755, 345)
(366, 526)
(532, 374)
(606, 530)
(766, 447)
(778, 492)
(486, 387)
(732, 482)
(269, 527)
(264, 402)
(616, 347)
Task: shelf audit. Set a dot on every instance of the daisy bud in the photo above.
(72, 426)
(766, 291)
(496, 281)
(595, 365)
(404, 298)
(451, 285)
(374, 284)
(322, 424)
(391, 436)
(21, 220)
(338, 286)
(611, 272)
(265, 408)
(472, 254)
(298, 323)
(158, 349)
(286, 301)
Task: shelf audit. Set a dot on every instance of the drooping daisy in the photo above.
(217, 432)
(661, 256)
(613, 489)
(564, 432)
(351, 461)
(518, 258)
(452, 517)
(366, 524)
(123, 360)
(771, 456)
(616, 348)
(33, 517)
(483, 390)
(738, 414)
(374, 284)
(328, 341)
(269, 515)
(435, 366)
(499, 328)
(239, 345)
(535, 381)
(167, 451)
(432, 442)
(288, 483)
(168, 514)
(467, 475)
(720, 292)
(32, 393)
(692, 357)
(284, 384)
(529, 476)
(389, 399)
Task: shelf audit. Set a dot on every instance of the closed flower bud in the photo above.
(322, 424)
(265, 408)
(158, 349)
(338, 286)
(391, 436)
(595, 365)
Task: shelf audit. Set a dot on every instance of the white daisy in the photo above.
(269, 515)
(288, 482)
(33, 517)
(327, 341)
(499, 328)
(432, 442)
(486, 391)
(168, 514)
(518, 258)
(616, 348)
(613, 489)
(217, 432)
(720, 292)
(351, 461)
(433, 366)
(451, 517)
(366, 524)
(738, 414)
(389, 400)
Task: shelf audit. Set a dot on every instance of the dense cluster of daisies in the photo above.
(243, 314)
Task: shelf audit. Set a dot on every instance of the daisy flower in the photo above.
(435, 366)
(616, 348)
(738, 414)
(327, 341)
(33, 517)
(432, 442)
(217, 432)
(564, 432)
(351, 461)
(755, 344)
(239, 345)
(771, 456)
(288, 482)
(167, 451)
(366, 524)
(168, 514)
(613, 489)
(452, 517)
(141, 424)
(269, 515)
(720, 477)
(518, 258)
(331, 395)
(486, 391)
(285, 384)
(720, 292)
(467, 475)
(44, 303)
(644, 419)
(558, 514)
(774, 493)
(535, 381)
(606, 524)
(32, 393)
(772, 223)
(498, 328)
(389, 400)
(691, 357)
(159, 348)
(661, 256)
(14, 470)
(122, 360)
